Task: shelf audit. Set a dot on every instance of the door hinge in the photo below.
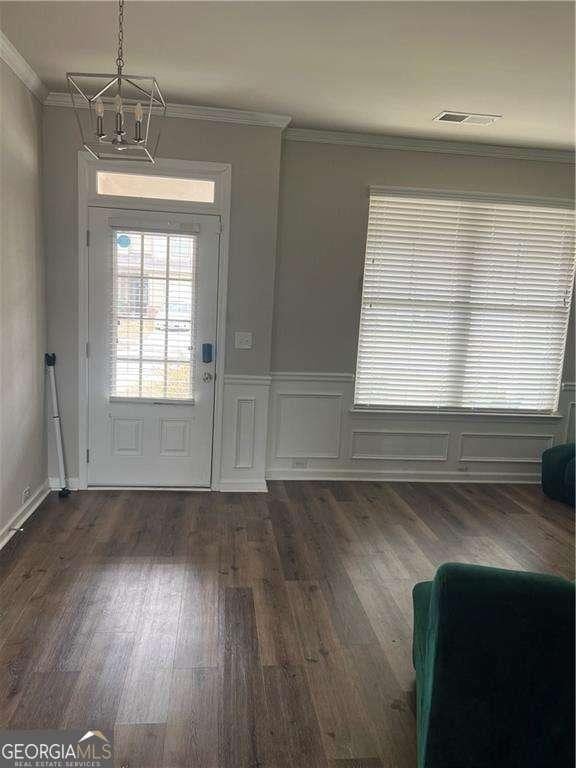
(88, 238)
(87, 455)
(220, 227)
(87, 349)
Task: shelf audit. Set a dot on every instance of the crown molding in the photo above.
(191, 112)
(374, 141)
(18, 64)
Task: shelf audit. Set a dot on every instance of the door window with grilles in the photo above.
(465, 303)
(154, 302)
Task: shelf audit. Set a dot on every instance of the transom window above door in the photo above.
(153, 337)
(155, 187)
(465, 303)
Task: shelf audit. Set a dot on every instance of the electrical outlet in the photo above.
(299, 463)
(25, 494)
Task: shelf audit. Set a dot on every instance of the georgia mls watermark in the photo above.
(55, 749)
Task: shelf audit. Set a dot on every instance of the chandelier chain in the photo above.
(120, 58)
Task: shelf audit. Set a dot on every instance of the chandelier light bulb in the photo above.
(100, 120)
(138, 112)
(118, 104)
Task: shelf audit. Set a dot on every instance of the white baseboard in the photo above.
(232, 485)
(55, 485)
(242, 486)
(408, 476)
(22, 514)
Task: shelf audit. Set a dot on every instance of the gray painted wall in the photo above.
(322, 211)
(22, 304)
(254, 154)
(322, 230)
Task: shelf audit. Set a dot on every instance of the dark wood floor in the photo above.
(246, 631)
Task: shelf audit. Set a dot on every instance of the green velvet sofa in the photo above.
(494, 658)
(558, 472)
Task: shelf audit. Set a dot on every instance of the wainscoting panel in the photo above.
(490, 447)
(244, 433)
(570, 431)
(315, 433)
(568, 405)
(397, 446)
(308, 425)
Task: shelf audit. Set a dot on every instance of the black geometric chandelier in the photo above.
(118, 115)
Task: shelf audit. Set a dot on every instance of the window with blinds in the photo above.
(154, 297)
(465, 303)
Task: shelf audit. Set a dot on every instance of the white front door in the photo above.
(153, 281)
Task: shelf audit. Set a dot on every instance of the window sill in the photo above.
(452, 414)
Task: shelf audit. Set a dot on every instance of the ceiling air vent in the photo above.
(466, 117)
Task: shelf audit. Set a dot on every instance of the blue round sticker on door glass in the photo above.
(123, 241)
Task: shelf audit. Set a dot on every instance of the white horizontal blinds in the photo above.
(465, 303)
(154, 308)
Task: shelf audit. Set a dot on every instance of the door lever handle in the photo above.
(207, 376)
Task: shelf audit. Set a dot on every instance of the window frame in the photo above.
(164, 177)
(165, 168)
(456, 195)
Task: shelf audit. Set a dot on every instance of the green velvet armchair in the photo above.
(494, 658)
(559, 471)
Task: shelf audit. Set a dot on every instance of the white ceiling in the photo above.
(376, 67)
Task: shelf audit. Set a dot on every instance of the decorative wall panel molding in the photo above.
(383, 444)
(402, 475)
(244, 433)
(240, 379)
(308, 425)
(315, 433)
(311, 376)
(570, 435)
(503, 447)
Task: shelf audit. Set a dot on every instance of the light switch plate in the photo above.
(243, 339)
